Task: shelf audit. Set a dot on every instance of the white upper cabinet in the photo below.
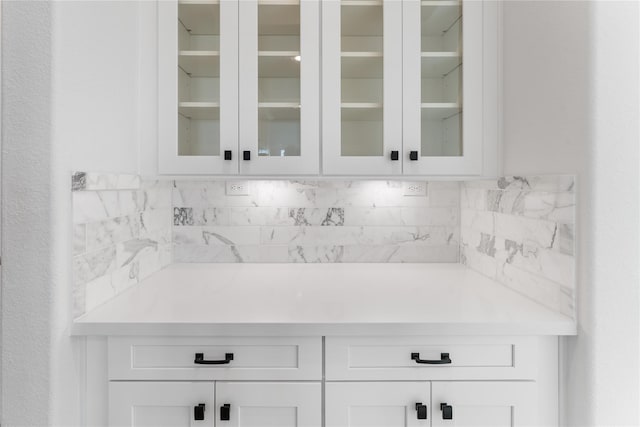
(379, 87)
(402, 87)
(442, 87)
(279, 87)
(198, 87)
(362, 87)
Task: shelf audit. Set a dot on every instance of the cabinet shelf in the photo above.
(438, 64)
(361, 3)
(200, 110)
(283, 111)
(361, 54)
(200, 63)
(361, 111)
(439, 110)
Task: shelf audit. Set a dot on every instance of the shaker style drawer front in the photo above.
(178, 358)
(430, 358)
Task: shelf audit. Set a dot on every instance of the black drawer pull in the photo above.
(422, 411)
(198, 412)
(447, 411)
(395, 155)
(225, 412)
(246, 155)
(413, 155)
(227, 155)
(444, 359)
(199, 360)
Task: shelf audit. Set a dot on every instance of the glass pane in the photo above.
(198, 79)
(278, 78)
(361, 27)
(441, 73)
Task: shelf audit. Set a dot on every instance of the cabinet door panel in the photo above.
(388, 404)
(279, 87)
(147, 404)
(198, 87)
(443, 87)
(491, 404)
(269, 404)
(362, 87)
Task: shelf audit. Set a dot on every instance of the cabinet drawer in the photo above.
(173, 358)
(392, 358)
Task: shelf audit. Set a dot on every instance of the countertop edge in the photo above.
(564, 328)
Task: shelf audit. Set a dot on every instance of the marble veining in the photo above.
(520, 231)
(121, 234)
(315, 221)
(517, 230)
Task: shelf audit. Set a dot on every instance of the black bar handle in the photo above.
(225, 412)
(444, 359)
(198, 412)
(199, 360)
(246, 155)
(447, 411)
(413, 155)
(395, 155)
(421, 410)
(228, 155)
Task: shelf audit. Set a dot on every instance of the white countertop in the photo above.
(321, 299)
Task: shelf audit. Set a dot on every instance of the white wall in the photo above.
(70, 86)
(571, 106)
(26, 202)
(96, 83)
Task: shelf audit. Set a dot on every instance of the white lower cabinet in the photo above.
(160, 404)
(347, 382)
(412, 404)
(268, 404)
(380, 404)
(491, 404)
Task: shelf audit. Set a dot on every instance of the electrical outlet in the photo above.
(415, 188)
(237, 188)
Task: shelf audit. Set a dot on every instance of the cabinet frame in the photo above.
(333, 162)
(308, 161)
(473, 87)
(169, 161)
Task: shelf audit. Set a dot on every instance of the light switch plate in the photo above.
(237, 188)
(415, 188)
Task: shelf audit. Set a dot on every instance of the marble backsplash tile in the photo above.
(315, 221)
(520, 232)
(121, 234)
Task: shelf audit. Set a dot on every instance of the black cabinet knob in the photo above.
(395, 155)
(246, 155)
(198, 412)
(421, 410)
(444, 359)
(447, 411)
(225, 412)
(413, 155)
(199, 360)
(227, 154)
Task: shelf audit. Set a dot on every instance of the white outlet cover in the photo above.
(237, 188)
(415, 189)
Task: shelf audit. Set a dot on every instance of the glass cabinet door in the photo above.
(442, 86)
(198, 116)
(279, 86)
(362, 87)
